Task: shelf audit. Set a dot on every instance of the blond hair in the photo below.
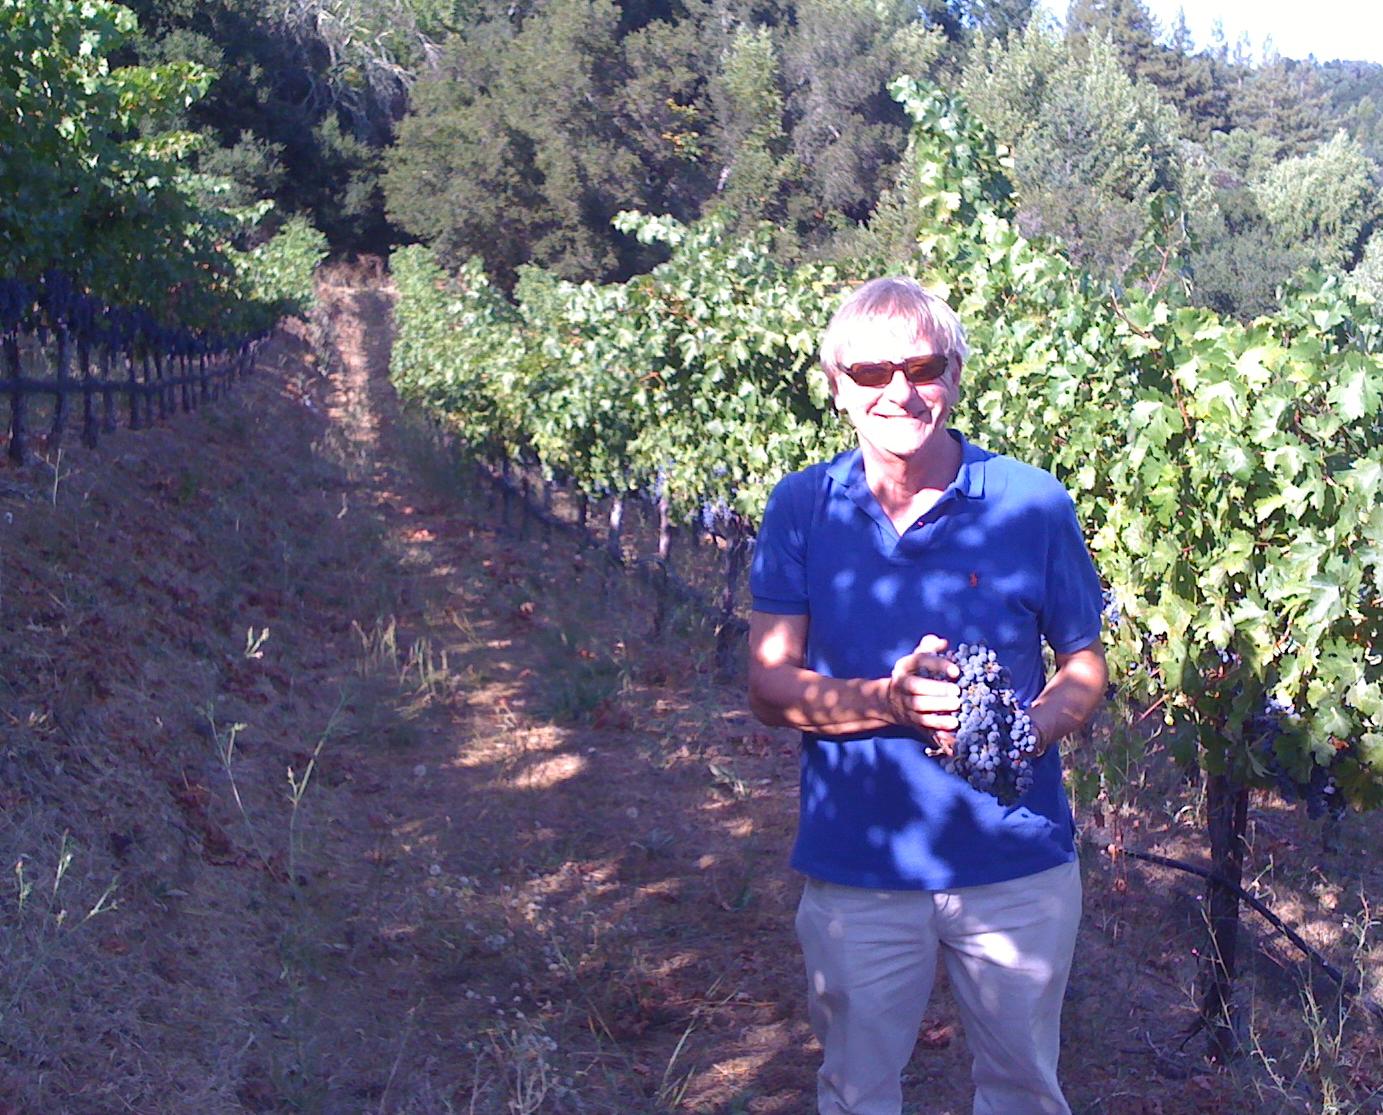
(893, 299)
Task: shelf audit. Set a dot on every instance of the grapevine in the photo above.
(1318, 790)
(1226, 473)
(105, 236)
(996, 743)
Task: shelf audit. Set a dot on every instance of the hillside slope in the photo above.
(332, 792)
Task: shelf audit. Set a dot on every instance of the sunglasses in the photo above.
(917, 369)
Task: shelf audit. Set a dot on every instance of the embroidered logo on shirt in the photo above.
(974, 579)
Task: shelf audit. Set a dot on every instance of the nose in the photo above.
(899, 388)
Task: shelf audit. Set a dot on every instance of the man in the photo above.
(867, 568)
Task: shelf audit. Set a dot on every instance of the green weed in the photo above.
(41, 919)
(1324, 1076)
(576, 686)
(724, 778)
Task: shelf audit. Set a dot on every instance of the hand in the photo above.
(922, 696)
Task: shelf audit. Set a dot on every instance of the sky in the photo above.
(1329, 29)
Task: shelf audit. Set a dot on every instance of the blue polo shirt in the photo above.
(998, 559)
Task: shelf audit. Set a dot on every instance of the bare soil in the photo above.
(326, 789)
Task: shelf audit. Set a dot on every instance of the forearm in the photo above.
(791, 696)
(1071, 696)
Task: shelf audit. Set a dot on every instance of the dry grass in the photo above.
(405, 811)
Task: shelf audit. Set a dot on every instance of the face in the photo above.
(900, 419)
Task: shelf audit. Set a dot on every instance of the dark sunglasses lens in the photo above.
(917, 369)
(870, 375)
(924, 369)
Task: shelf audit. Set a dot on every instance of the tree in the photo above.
(515, 149)
(1194, 83)
(1005, 81)
(459, 176)
(667, 119)
(300, 113)
(758, 173)
(244, 173)
(947, 16)
(99, 196)
(1242, 156)
(1240, 266)
(1091, 146)
(1356, 101)
(1270, 218)
(1125, 23)
(1325, 201)
(1366, 280)
(845, 132)
(997, 19)
(1286, 100)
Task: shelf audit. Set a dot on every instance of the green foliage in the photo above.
(279, 273)
(760, 176)
(1366, 280)
(838, 57)
(1356, 101)
(1126, 24)
(1324, 200)
(1196, 85)
(1112, 117)
(304, 96)
(1243, 155)
(526, 127)
(97, 182)
(457, 350)
(1286, 100)
(1272, 218)
(1092, 147)
(239, 176)
(996, 19)
(79, 183)
(533, 130)
(514, 150)
(1227, 473)
(1107, 131)
(617, 387)
(1241, 265)
(1005, 80)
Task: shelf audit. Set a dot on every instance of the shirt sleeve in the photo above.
(1071, 606)
(778, 576)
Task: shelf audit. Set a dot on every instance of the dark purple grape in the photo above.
(1320, 792)
(996, 743)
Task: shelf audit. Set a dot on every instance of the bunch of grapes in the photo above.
(715, 518)
(996, 742)
(1110, 611)
(1321, 793)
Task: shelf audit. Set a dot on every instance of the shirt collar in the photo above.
(847, 470)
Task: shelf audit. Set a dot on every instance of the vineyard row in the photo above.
(151, 386)
(74, 346)
(1226, 472)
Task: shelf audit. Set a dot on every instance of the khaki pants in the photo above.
(871, 960)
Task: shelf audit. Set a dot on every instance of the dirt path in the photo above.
(407, 810)
(600, 835)
(581, 864)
